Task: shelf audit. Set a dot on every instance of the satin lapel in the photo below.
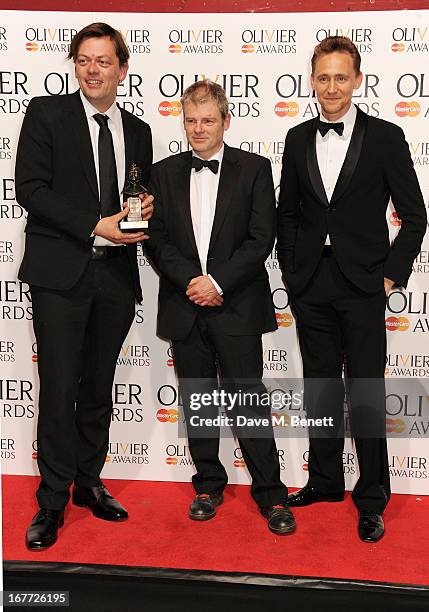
(352, 156)
(82, 140)
(313, 166)
(129, 142)
(229, 174)
(182, 194)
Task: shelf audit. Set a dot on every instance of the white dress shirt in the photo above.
(203, 194)
(331, 151)
(117, 130)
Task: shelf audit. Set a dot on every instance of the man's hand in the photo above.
(108, 228)
(388, 285)
(147, 206)
(201, 291)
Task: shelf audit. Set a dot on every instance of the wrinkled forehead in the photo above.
(203, 105)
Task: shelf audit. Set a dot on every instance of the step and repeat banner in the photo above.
(262, 61)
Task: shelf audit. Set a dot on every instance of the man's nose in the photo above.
(92, 66)
(332, 85)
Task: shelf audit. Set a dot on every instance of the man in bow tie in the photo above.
(73, 156)
(213, 229)
(339, 171)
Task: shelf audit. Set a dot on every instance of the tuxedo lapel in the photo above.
(182, 194)
(352, 157)
(82, 140)
(229, 174)
(129, 142)
(313, 166)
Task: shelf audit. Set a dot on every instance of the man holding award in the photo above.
(212, 230)
(74, 156)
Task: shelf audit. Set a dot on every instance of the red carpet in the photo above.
(159, 534)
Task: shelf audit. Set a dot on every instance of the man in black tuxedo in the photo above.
(212, 230)
(73, 156)
(339, 171)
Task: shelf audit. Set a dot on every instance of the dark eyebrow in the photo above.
(97, 57)
(324, 74)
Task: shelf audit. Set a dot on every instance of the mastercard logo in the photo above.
(397, 324)
(170, 363)
(171, 461)
(398, 47)
(395, 426)
(305, 467)
(247, 49)
(173, 108)
(34, 358)
(284, 319)
(34, 455)
(32, 46)
(175, 48)
(407, 109)
(239, 463)
(395, 220)
(167, 416)
(286, 109)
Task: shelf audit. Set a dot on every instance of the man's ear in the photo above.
(358, 81)
(123, 71)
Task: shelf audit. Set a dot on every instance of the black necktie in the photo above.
(109, 193)
(324, 127)
(199, 164)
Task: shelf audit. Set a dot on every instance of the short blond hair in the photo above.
(205, 90)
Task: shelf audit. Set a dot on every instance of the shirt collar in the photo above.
(348, 119)
(90, 110)
(218, 155)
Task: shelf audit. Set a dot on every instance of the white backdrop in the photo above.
(263, 62)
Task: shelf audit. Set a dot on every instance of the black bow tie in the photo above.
(199, 164)
(324, 127)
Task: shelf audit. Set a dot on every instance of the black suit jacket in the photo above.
(56, 183)
(242, 237)
(377, 167)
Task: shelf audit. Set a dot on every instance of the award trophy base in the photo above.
(133, 226)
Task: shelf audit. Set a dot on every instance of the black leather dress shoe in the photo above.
(309, 495)
(43, 530)
(280, 519)
(102, 504)
(371, 526)
(204, 506)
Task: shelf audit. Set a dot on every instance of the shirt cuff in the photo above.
(218, 289)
